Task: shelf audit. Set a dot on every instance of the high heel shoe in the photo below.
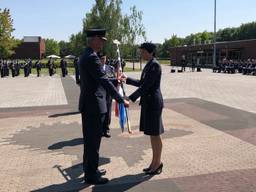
(147, 169)
(157, 171)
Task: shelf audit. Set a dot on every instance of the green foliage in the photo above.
(64, 48)
(245, 31)
(51, 47)
(7, 41)
(164, 49)
(76, 44)
(126, 28)
(198, 38)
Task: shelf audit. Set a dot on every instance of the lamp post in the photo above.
(214, 36)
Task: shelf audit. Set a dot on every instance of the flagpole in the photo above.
(116, 42)
(214, 36)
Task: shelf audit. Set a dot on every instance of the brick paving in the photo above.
(209, 140)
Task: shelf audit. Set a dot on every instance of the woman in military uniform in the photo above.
(151, 102)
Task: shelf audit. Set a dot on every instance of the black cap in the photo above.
(96, 32)
(150, 47)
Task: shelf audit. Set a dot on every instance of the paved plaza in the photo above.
(209, 140)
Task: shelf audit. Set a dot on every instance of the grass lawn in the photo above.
(71, 71)
(164, 62)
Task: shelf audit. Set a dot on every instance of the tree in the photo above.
(64, 48)
(107, 14)
(174, 41)
(52, 47)
(77, 44)
(247, 31)
(133, 29)
(7, 41)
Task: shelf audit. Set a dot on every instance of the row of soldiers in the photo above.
(16, 65)
(246, 67)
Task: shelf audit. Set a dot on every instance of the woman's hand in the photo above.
(122, 77)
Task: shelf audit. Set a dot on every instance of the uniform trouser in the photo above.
(13, 73)
(107, 119)
(63, 70)
(38, 72)
(25, 72)
(92, 133)
(77, 75)
(50, 72)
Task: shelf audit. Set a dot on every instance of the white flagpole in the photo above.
(214, 38)
(117, 43)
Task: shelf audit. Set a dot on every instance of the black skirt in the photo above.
(151, 121)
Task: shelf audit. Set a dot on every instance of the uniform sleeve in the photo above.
(100, 76)
(134, 82)
(149, 80)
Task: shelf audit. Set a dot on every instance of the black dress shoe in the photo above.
(106, 134)
(156, 171)
(101, 172)
(96, 180)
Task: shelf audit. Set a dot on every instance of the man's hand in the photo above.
(126, 103)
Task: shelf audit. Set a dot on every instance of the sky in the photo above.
(58, 19)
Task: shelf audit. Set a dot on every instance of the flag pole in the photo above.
(116, 42)
(214, 38)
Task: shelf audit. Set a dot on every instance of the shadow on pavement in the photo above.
(73, 176)
(123, 183)
(74, 181)
(60, 145)
(63, 114)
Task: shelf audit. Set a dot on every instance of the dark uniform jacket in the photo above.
(149, 87)
(94, 85)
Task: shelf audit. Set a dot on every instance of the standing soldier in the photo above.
(110, 72)
(12, 67)
(50, 66)
(77, 73)
(6, 68)
(92, 103)
(26, 69)
(1, 67)
(38, 66)
(17, 67)
(123, 64)
(63, 66)
(183, 63)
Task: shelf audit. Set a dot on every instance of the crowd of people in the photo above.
(13, 67)
(245, 67)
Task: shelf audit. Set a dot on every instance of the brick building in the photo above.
(203, 54)
(32, 47)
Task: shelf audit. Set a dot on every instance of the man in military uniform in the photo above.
(26, 69)
(50, 66)
(38, 66)
(63, 66)
(6, 68)
(17, 67)
(77, 74)
(183, 63)
(29, 66)
(1, 68)
(110, 72)
(12, 67)
(94, 86)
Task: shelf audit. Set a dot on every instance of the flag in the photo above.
(121, 111)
